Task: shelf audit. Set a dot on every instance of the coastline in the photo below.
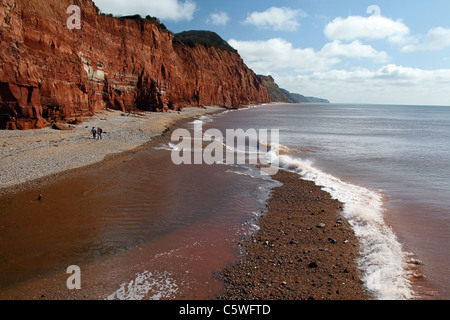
(280, 259)
(304, 250)
(37, 157)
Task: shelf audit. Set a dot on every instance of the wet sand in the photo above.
(292, 257)
(304, 250)
(175, 255)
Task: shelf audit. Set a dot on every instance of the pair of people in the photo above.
(97, 133)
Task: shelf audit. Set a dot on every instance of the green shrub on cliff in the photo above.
(138, 18)
(203, 38)
(153, 20)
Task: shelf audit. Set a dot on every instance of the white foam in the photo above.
(251, 226)
(153, 286)
(383, 262)
(204, 119)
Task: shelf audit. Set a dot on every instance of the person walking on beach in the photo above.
(99, 133)
(94, 132)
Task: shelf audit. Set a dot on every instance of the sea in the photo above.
(389, 165)
(183, 223)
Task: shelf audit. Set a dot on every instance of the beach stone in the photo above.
(77, 121)
(61, 126)
(321, 225)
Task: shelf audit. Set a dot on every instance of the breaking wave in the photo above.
(150, 285)
(383, 263)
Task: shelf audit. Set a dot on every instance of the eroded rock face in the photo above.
(49, 72)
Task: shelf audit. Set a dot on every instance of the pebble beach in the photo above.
(304, 250)
(26, 156)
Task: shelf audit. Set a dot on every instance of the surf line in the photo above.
(383, 262)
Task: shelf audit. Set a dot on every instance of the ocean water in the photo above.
(180, 224)
(172, 228)
(389, 165)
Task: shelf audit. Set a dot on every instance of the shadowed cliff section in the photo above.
(49, 73)
(207, 39)
(278, 94)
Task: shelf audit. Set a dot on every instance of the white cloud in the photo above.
(174, 10)
(396, 75)
(369, 28)
(285, 19)
(218, 19)
(278, 54)
(388, 84)
(354, 49)
(436, 39)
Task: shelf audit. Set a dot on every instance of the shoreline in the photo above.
(35, 158)
(290, 225)
(304, 250)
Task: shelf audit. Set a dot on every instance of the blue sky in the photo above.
(347, 51)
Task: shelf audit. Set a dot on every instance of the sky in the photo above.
(347, 51)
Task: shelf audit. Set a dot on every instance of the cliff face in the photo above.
(48, 72)
(296, 97)
(276, 93)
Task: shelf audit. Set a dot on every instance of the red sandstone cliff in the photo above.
(50, 72)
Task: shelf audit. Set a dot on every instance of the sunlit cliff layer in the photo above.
(50, 72)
